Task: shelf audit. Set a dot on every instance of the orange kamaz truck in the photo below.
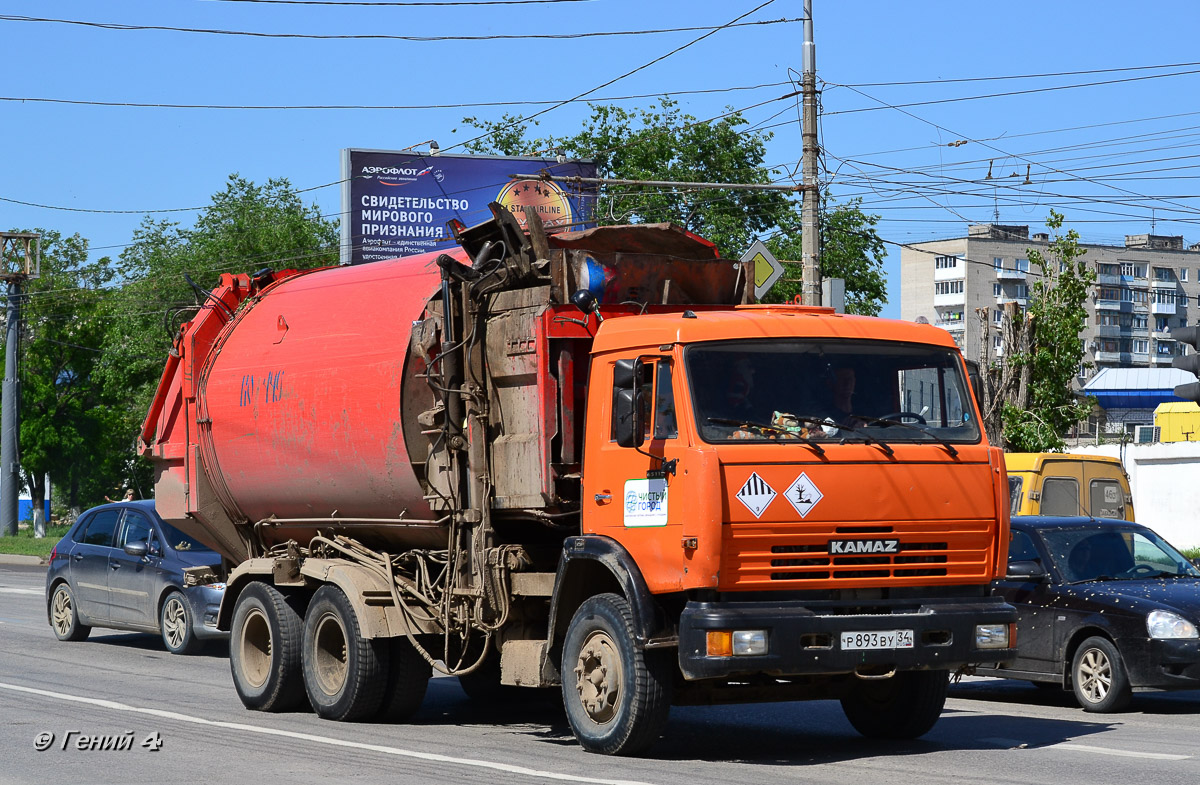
(581, 461)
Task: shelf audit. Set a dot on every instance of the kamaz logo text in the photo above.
(838, 547)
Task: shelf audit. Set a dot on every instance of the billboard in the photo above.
(397, 203)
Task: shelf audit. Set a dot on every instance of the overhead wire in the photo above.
(408, 107)
(394, 37)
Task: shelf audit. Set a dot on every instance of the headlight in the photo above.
(991, 636)
(1165, 624)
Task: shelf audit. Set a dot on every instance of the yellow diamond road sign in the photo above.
(767, 269)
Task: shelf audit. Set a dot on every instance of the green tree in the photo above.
(66, 425)
(1030, 401)
(247, 227)
(663, 143)
(850, 250)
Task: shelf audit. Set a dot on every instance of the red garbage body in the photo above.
(292, 408)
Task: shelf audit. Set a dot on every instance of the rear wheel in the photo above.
(345, 674)
(617, 697)
(407, 678)
(1098, 677)
(175, 622)
(905, 706)
(63, 617)
(264, 649)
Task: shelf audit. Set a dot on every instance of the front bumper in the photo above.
(1162, 664)
(804, 638)
(206, 604)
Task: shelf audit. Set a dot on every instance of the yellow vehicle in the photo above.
(1052, 483)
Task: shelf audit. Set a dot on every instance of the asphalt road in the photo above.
(120, 685)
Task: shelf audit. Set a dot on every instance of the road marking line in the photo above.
(6, 590)
(1014, 744)
(1121, 753)
(429, 756)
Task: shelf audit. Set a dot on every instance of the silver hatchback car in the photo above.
(123, 567)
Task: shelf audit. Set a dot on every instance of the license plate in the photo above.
(882, 639)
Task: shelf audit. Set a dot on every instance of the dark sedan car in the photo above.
(121, 566)
(1105, 606)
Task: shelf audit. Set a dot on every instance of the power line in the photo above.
(384, 4)
(391, 37)
(1022, 76)
(1185, 208)
(410, 107)
(1000, 95)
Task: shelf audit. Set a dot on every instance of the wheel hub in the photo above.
(254, 645)
(1096, 675)
(63, 613)
(330, 656)
(598, 677)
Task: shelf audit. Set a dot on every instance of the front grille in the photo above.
(754, 556)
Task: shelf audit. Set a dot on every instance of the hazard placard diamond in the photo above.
(803, 494)
(756, 495)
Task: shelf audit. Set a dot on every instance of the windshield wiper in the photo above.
(777, 429)
(1090, 580)
(823, 421)
(887, 423)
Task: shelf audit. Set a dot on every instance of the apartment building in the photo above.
(1143, 289)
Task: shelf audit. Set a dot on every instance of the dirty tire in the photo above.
(175, 624)
(264, 649)
(905, 706)
(1098, 677)
(407, 677)
(64, 618)
(617, 697)
(345, 674)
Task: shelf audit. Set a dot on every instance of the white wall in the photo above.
(1165, 480)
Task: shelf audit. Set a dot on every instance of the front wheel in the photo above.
(1098, 677)
(175, 622)
(63, 616)
(906, 706)
(617, 697)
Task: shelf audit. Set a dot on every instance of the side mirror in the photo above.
(1026, 571)
(628, 403)
(976, 380)
(139, 549)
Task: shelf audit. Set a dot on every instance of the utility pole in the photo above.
(20, 254)
(810, 242)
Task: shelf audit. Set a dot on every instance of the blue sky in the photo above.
(1106, 177)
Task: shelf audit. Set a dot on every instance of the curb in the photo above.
(32, 561)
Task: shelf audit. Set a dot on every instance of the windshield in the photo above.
(180, 541)
(1089, 554)
(841, 390)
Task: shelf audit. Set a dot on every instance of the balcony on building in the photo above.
(958, 298)
(1111, 331)
(1163, 335)
(1108, 279)
(1007, 274)
(1162, 309)
(1162, 359)
(1004, 299)
(1111, 357)
(1114, 305)
(952, 325)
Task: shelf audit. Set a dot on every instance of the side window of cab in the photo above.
(657, 399)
